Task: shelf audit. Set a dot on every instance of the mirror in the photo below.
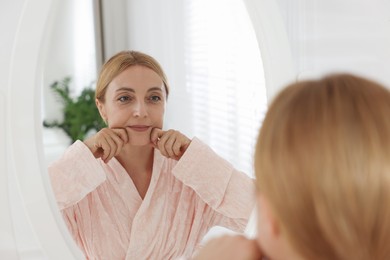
(27, 52)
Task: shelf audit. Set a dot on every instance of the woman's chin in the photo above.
(140, 139)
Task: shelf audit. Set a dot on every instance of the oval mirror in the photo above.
(23, 111)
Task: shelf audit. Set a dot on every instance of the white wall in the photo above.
(334, 35)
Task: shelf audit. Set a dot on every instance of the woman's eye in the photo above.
(123, 98)
(155, 98)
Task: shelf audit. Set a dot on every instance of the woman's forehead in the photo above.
(137, 77)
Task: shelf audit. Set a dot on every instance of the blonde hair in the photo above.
(323, 162)
(122, 61)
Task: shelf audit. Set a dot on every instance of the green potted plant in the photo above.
(80, 114)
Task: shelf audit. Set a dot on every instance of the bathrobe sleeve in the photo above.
(230, 193)
(75, 174)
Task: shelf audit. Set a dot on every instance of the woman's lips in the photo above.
(139, 128)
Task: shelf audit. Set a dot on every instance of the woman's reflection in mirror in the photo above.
(136, 191)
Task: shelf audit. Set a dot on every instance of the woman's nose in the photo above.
(139, 110)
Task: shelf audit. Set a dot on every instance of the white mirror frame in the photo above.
(23, 122)
(24, 132)
(273, 43)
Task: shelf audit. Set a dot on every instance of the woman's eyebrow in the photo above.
(155, 88)
(126, 89)
(132, 90)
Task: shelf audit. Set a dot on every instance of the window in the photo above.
(225, 76)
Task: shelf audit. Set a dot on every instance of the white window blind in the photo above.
(224, 74)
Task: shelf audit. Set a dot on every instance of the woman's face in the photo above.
(135, 99)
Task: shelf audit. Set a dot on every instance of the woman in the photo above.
(323, 175)
(135, 191)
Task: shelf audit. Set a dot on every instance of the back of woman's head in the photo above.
(323, 163)
(122, 61)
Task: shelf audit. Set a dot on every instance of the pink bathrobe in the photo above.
(108, 219)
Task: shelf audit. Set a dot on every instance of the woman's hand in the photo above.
(171, 143)
(107, 143)
(230, 247)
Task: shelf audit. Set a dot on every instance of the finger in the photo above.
(161, 144)
(110, 149)
(92, 143)
(161, 147)
(155, 135)
(177, 148)
(102, 148)
(180, 145)
(115, 146)
(118, 141)
(169, 145)
(98, 143)
(122, 133)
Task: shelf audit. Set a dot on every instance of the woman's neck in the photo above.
(138, 163)
(137, 158)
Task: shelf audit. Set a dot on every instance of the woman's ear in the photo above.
(271, 234)
(102, 109)
(268, 229)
